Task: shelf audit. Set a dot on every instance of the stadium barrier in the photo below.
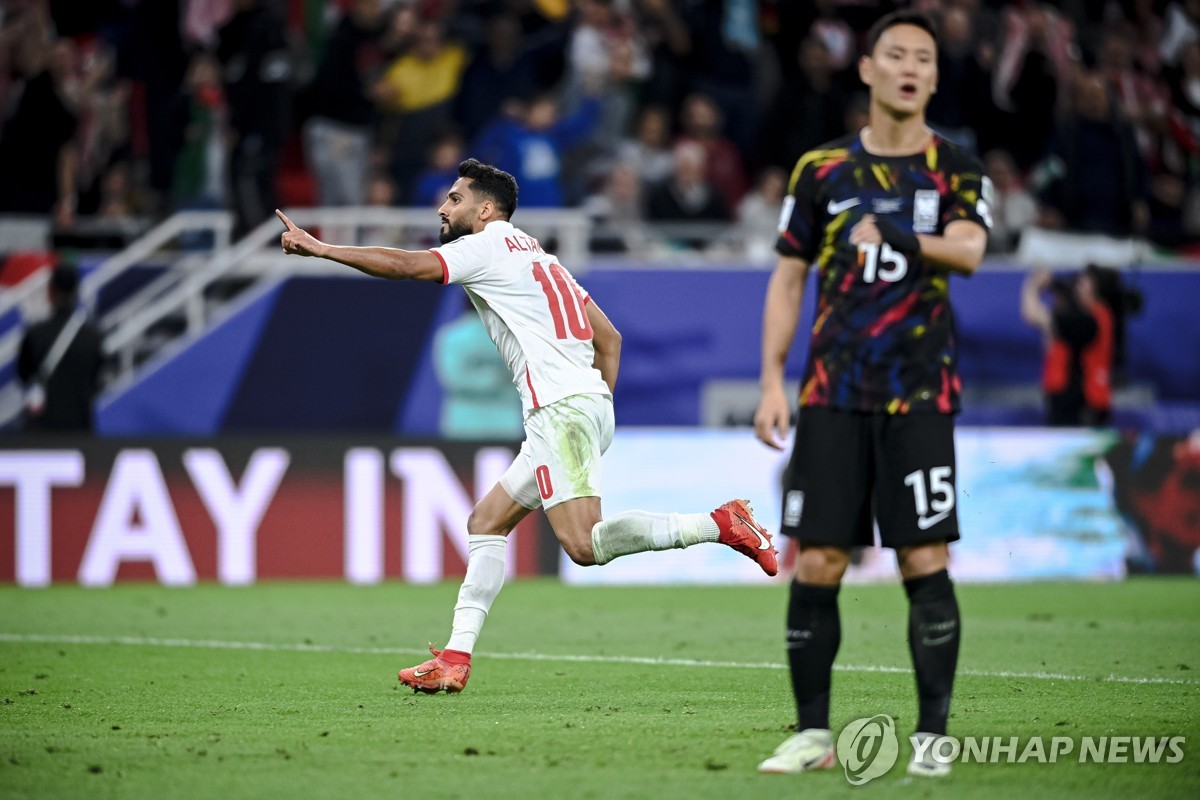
(1032, 504)
(296, 358)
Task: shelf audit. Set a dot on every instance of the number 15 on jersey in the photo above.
(895, 264)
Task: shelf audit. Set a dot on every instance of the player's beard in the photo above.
(453, 231)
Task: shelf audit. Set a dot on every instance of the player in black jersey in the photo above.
(885, 216)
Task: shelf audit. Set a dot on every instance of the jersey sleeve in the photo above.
(797, 223)
(971, 194)
(465, 260)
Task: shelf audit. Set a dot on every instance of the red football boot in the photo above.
(740, 531)
(448, 670)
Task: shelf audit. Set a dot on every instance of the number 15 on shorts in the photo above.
(933, 494)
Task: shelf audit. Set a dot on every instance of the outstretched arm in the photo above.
(607, 342)
(381, 262)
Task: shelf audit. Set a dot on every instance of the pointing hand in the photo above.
(297, 241)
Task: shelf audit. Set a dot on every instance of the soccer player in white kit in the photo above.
(563, 354)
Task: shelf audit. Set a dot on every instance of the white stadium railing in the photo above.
(208, 278)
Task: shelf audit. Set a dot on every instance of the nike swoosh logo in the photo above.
(763, 544)
(925, 523)
(419, 674)
(835, 208)
(935, 641)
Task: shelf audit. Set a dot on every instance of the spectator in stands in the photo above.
(500, 69)
(984, 16)
(1141, 98)
(962, 103)
(668, 42)
(1013, 209)
(701, 121)
(1144, 27)
(529, 141)
(416, 96)
(381, 193)
(1033, 69)
(257, 70)
(445, 154)
(199, 180)
(1182, 25)
(648, 151)
(617, 212)
(1175, 188)
(687, 196)
(341, 115)
(1093, 179)
(102, 141)
(37, 149)
(59, 362)
(607, 56)
(835, 33)
(723, 65)
(807, 110)
(678, 47)
(758, 215)
(118, 202)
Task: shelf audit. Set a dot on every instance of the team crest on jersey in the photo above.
(793, 508)
(926, 203)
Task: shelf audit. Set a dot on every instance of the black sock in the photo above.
(933, 636)
(814, 631)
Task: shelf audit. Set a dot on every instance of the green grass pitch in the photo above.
(289, 690)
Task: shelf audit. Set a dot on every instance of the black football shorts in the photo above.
(849, 469)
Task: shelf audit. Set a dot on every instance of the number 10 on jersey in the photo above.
(565, 301)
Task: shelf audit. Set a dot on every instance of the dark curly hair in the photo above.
(493, 183)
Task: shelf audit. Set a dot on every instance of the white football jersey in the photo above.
(532, 308)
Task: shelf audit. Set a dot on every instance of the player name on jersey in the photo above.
(524, 244)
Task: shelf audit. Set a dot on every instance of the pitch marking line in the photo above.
(210, 644)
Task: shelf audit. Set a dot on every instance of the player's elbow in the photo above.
(607, 340)
(971, 251)
(977, 251)
(614, 342)
(970, 246)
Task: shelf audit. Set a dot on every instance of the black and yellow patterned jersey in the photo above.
(883, 337)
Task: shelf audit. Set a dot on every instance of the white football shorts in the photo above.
(560, 457)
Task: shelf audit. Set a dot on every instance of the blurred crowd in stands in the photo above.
(1086, 112)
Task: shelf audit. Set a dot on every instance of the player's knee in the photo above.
(922, 559)
(479, 524)
(821, 565)
(579, 550)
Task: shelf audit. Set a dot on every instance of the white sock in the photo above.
(485, 576)
(639, 531)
